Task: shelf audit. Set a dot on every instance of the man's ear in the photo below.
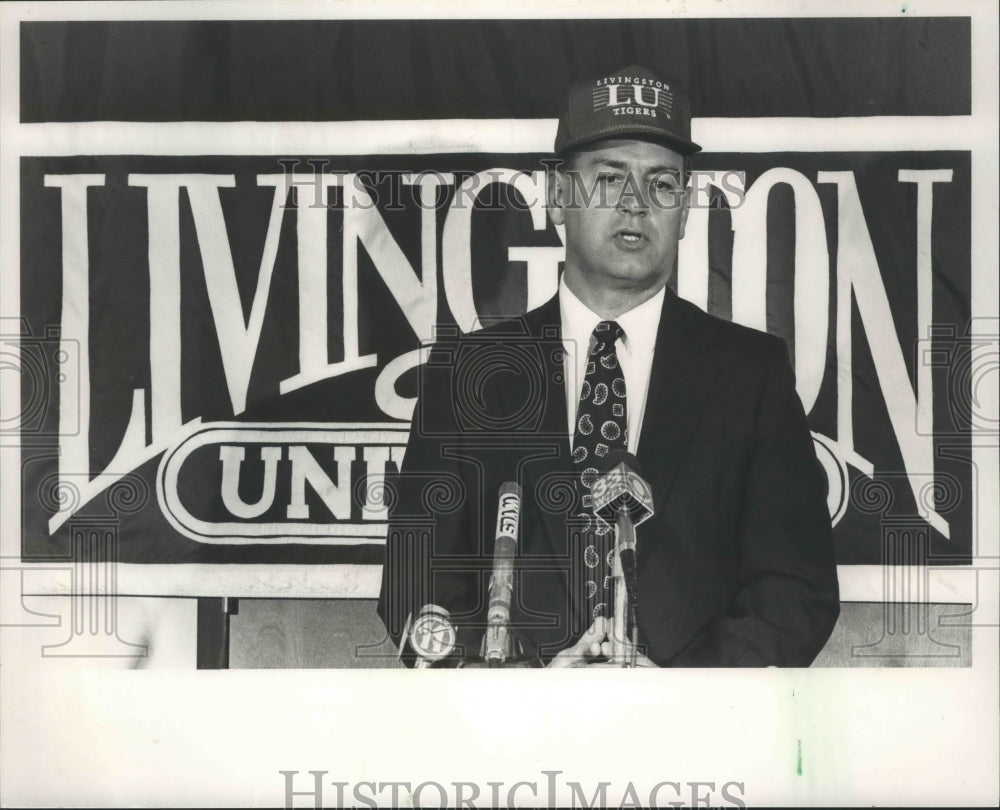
(685, 207)
(556, 196)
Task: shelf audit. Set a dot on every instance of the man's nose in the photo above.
(633, 200)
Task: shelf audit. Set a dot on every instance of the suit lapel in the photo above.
(544, 452)
(680, 381)
(543, 325)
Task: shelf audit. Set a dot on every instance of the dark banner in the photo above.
(343, 70)
(222, 350)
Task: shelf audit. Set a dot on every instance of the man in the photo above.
(736, 565)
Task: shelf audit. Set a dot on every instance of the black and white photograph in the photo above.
(349, 346)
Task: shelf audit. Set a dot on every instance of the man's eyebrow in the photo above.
(611, 163)
(672, 170)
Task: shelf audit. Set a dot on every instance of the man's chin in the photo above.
(637, 278)
(620, 277)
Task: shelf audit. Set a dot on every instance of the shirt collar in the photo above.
(640, 323)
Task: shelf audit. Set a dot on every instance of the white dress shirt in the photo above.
(635, 354)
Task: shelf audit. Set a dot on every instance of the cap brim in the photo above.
(638, 132)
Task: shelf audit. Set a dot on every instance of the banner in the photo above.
(223, 300)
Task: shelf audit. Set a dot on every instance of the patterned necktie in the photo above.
(601, 426)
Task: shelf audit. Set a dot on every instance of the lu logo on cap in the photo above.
(634, 98)
(631, 101)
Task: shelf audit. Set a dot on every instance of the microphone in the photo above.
(622, 489)
(497, 643)
(621, 498)
(432, 636)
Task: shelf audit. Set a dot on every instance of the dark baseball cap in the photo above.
(633, 101)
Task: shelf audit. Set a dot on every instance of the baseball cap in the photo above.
(631, 101)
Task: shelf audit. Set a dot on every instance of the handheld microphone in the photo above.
(497, 643)
(621, 498)
(432, 636)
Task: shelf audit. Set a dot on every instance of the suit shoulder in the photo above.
(448, 338)
(502, 328)
(543, 321)
(452, 348)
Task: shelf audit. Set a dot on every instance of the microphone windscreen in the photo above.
(621, 489)
(508, 510)
(510, 488)
(431, 636)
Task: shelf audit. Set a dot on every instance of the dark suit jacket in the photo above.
(736, 566)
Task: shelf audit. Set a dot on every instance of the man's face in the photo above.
(624, 206)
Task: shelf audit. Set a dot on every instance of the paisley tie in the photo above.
(601, 426)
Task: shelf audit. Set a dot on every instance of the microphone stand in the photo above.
(621, 500)
(518, 656)
(623, 647)
(500, 646)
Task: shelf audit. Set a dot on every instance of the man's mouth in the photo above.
(630, 237)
